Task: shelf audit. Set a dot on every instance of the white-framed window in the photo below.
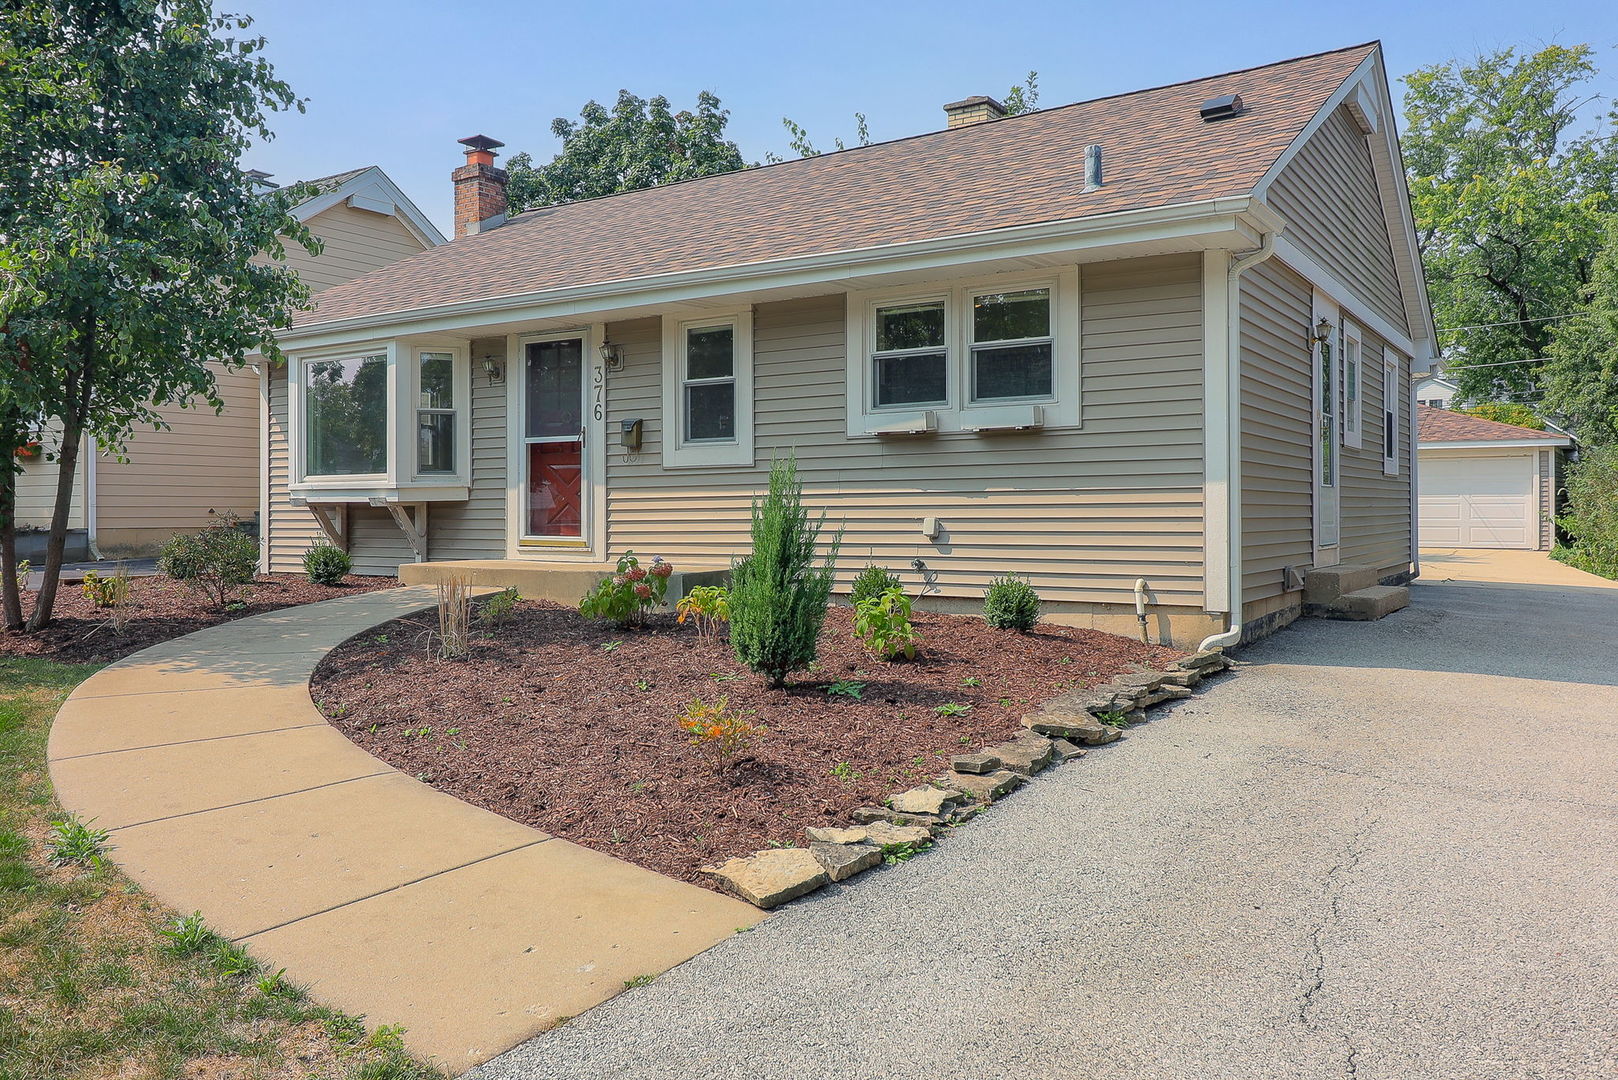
(1352, 377)
(708, 391)
(343, 413)
(437, 439)
(1391, 385)
(989, 354)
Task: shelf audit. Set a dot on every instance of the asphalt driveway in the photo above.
(1382, 850)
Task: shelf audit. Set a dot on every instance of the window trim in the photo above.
(298, 419)
(677, 451)
(959, 413)
(973, 347)
(873, 354)
(1392, 364)
(1352, 361)
(461, 387)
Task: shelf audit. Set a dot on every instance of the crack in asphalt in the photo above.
(1315, 976)
(1450, 789)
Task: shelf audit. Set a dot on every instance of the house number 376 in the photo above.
(598, 381)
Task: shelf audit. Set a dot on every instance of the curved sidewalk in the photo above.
(226, 792)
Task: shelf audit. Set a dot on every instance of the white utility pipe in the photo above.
(1233, 404)
(1140, 609)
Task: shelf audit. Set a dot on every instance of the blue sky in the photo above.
(396, 83)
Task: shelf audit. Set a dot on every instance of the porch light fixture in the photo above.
(1322, 331)
(612, 356)
(494, 369)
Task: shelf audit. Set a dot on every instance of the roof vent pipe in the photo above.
(1092, 167)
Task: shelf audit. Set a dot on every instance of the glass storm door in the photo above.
(553, 434)
(1328, 443)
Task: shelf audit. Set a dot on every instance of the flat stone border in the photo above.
(908, 822)
(227, 792)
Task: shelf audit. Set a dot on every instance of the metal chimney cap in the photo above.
(480, 142)
(1220, 108)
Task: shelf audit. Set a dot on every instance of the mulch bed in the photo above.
(570, 726)
(161, 609)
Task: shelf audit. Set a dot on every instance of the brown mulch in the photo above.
(570, 726)
(160, 609)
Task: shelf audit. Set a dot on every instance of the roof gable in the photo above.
(368, 188)
(974, 180)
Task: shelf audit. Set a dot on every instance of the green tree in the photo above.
(1581, 380)
(640, 143)
(1506, 413)
(1022, 98)
(127, 229)
(1509, 205)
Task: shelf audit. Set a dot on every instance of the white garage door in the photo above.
(1479, 500)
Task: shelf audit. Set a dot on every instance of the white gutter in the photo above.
(1226, 472)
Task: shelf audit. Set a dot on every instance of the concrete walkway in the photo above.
(1383, 850)
(227, 793)
(1479, 566)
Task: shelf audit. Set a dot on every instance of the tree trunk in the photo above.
(10, 595)
(67, 462)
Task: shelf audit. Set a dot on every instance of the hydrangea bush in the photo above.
(626, 596)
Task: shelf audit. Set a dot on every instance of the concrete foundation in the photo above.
(558, 582)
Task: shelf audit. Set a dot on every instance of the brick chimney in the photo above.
(973, 110)
(480, 188)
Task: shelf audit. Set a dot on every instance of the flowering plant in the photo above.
(708, 605)
(717, 733)
(625, 595)
(28, 451)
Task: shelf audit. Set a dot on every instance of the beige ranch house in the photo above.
(1160, 341)
(171, 479)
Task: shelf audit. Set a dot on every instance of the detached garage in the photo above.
(1482, 484)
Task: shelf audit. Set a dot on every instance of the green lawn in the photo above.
(98, 979)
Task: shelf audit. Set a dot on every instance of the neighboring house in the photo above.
(172, 479)
(1437, 392)
(1484, 484)
(1165, 335)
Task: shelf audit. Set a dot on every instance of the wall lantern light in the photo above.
(612, 356)
(494, 369)
(1323, 330)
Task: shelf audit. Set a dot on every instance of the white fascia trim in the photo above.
(1495, 444)
(1235, 223)
(1345, 298)
(408, 212)
(1368, 85)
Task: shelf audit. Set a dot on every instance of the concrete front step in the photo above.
(1325, 584)
(1370, 603)
(558, 582)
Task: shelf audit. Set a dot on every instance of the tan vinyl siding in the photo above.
(1376, 507)
(1329, 197)
(1547, 499)
(171, 479)
(357, 242)
(36, 488)
(1277, 429)
(1083, 512)
(288, 530)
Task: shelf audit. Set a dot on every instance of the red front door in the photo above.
(553, 418)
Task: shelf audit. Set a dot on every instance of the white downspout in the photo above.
(94, 449)
(1233, 439)
(1411, 447)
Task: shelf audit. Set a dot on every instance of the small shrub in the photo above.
(216, 561)
(106, 592)
(883, 623)
(624, 597)
(1591, 518)
(873, 581)
(73, 843)
(778, 595)
(718, 734)
(499, 608)
(1011, 604)
(708, 606)
(327, 564)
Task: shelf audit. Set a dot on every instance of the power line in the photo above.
(1508, 322)
(1501, 363)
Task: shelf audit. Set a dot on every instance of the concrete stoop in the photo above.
(1351, 591)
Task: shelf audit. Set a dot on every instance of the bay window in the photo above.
(998, 354)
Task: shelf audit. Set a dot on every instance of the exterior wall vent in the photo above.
(1221, 108)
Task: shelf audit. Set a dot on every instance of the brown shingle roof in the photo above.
(1441, 425)
(1023, 170)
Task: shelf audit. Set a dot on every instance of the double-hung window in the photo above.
(995, 354)
(435, 412)
(708, 391)
(1012, 347)
(1391, 384)
(911, 363)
